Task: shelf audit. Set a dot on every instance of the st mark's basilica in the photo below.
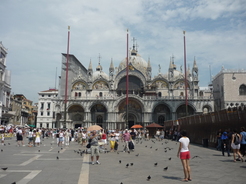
(95, 97)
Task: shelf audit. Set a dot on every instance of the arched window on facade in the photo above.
(79, 94)
(242, 89)
(100, 94)
(159, 94)
(201, 94)
(76, 94)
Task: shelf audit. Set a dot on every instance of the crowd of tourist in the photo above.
(232, 141)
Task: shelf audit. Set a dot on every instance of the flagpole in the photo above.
(127, 78)
(65, 101)
(186, 99)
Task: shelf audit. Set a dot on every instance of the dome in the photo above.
(99, 74)
(136, 61)
(177, 74)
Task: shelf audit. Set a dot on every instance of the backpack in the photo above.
(236, 139)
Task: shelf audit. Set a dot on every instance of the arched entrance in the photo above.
(134, 112)
(181, 111)
(161, 114)
(76, 115)
(99, 115)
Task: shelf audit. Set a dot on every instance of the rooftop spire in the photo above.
(90, 65)
(194, 64)
(111, 64)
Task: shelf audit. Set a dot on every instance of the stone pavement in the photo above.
(39, 165)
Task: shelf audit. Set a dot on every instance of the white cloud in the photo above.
(36, 34)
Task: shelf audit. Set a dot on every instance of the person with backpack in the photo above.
(235, 145)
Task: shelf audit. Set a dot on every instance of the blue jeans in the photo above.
(219, 145)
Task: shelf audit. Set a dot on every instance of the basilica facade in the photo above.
(95, 97)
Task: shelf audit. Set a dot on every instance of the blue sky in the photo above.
(35, 33)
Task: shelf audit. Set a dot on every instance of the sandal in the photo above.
(185, 180)
(189, 179)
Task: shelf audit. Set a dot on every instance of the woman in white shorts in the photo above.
(236, 145)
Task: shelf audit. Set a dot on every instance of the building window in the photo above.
(79, 94)
(48, 106)
(42, 106)
(42, 95)
(76, 94)
(159, 94)
(182, 94)
(47, 125)
(48, 113)
(242, 90)
(48, 95)
(41, 113)
(100, 94)
(41, 125)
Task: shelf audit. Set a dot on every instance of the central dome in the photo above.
(136, 61)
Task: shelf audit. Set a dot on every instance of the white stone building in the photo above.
(5, 87)
(229, 89)
(95, 97)
(46, 112)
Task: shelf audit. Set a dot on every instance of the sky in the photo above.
(35, 34)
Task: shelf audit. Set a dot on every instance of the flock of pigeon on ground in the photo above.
(82, 152)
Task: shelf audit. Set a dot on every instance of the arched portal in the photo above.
(99, 115)
(181, 111)
(76, 115)
(134, 112)
(161, 113)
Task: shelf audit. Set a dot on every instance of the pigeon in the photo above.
(165, 151)
(129, 152)
(150, 147)
(4, 168)
(121, 183)
(148, 178)
(145, 146)
(61, 148)
(51, 144)
(1, 150)
(81, 153)
(165, 169)
(120, 161)
(156, 164)
(137, 155)
(58, 151)
(170, 158)
(57, 158)
(13, 183)
(131, 164)
(4, 144)
(118, 152)
(38, 150)
(127, 165)
(196, 157)
(74, 151)
(8, 143)
(156, 149)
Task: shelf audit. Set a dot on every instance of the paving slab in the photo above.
(39, 165)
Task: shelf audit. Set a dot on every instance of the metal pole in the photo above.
(65, 101)
(127, 78)
(186, 99)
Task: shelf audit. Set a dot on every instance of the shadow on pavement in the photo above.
(172, 177)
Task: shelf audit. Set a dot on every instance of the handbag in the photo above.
(88, 145)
